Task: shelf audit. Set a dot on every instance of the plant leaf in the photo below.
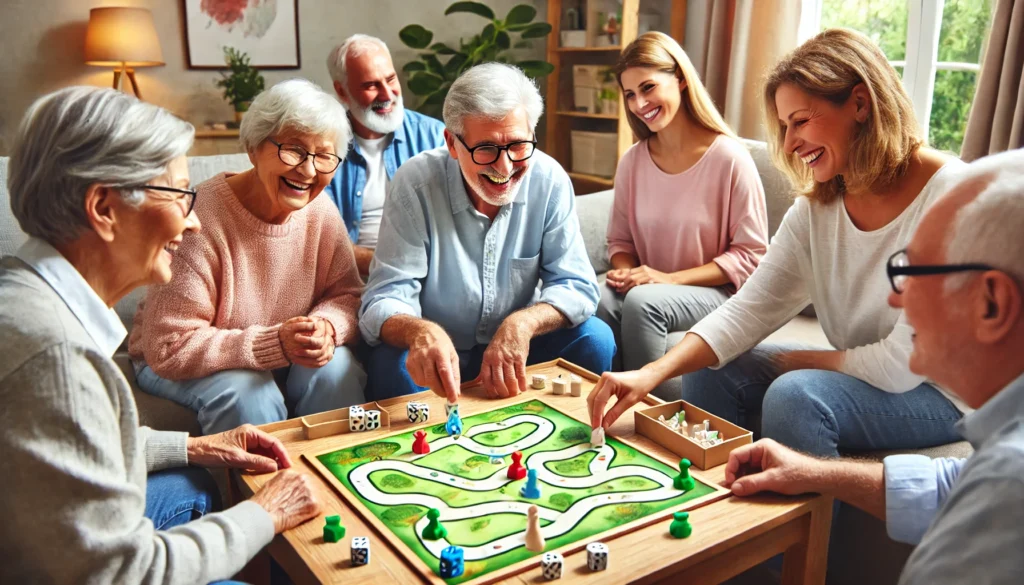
(503, 40)
(415, 36)
(454, 66)
(442, 49)
(433, 64)
(488, 35)
(523, 45)
(437, 98)
(424, 83)
(537, 30)
(535, 69)
(521, 14)
(413, 66)
(471, 7)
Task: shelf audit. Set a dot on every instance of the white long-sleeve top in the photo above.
(818, 256)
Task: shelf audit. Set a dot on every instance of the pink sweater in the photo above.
(238, 279)
(713, 211)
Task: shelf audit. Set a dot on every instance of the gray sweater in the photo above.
(74, 458)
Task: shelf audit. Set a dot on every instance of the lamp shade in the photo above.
(122, 35)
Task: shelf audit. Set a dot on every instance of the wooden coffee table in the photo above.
(729, 535)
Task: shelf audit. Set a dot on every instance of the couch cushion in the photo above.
(11, 236)
(593, 211)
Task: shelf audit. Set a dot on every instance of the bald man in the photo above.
(960, 282)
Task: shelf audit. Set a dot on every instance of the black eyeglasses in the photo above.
(188, 195)
(294, 155)
(487, 154)
(898, 268)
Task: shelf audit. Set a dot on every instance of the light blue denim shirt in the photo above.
(440, 259)
(416, 134)
(965, 515)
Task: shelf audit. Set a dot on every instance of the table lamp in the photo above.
(123, 38)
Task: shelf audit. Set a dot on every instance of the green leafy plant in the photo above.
(430, 78)
(243, 83)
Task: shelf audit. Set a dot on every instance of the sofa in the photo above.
(867, 552)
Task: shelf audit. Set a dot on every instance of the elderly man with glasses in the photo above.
(480, 267)
(960, 283)
(268, 292)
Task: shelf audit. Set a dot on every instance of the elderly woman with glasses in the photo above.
(99, 182)
(269, 291)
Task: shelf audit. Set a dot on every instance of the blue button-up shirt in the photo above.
(965, 515)
(416, 134)
(440, 259)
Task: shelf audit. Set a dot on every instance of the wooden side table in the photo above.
(211, 142)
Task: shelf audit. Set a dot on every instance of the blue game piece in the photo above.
(531, 490)
(454, 425)
(452, 563)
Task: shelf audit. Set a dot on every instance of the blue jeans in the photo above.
(590, 345)
(177, 496)
(820, 412)
(230, 398)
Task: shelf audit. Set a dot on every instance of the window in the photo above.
(935, 44)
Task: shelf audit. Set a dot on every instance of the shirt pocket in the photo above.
(524, 278)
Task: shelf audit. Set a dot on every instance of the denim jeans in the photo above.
(820, 412)
(230, 398)
(177, 496)
(589, 345)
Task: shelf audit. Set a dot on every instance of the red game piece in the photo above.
(516, 470)
(420, 446)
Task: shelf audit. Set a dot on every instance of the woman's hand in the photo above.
(632, 277)
(307, 341)
(245, 447)
(628, 388)
(289, 499)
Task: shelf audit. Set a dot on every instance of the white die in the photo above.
(356, 419)
(597, 556)
(551, 564)
(372, 420)
(360, 550)
(417, 411)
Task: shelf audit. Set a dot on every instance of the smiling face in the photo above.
(289, 188)
(819, 131)
(652, 95)
(155, 229)
(498, 183)
(373, 95)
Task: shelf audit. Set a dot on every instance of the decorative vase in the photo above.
(240, 110)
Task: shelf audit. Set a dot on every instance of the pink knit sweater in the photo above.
(238, 279)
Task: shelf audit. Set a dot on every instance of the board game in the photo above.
(586, 492)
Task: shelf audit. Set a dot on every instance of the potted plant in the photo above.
(243, 83)
(430, 78)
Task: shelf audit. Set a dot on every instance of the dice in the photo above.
(356, 418)
(360, 550)
(372, 420)
(597, 556)
(452, 562)
(417, 412)
(551, 566)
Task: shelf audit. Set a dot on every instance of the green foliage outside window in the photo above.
(961, 40)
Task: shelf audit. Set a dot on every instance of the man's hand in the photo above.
(434, 363)
(307, 341)
(289, 499)
(245, 447)
(767, 466)
(503, 369)
(628, 388)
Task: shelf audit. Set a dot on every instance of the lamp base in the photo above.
(130, 73)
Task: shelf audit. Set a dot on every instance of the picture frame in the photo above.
(266, 30)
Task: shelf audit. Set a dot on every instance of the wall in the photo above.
(43, 43)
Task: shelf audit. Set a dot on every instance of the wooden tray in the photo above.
(647, 424)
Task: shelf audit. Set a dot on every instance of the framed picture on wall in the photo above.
(266, 30)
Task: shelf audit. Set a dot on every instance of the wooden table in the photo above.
(729, 535)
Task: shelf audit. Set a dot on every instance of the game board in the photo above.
(586, 492)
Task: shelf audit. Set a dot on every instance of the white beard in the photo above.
(480, 187)
(381, 124)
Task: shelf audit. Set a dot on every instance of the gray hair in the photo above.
(81, 136)
(298, 105)
(355, 46)
(491, 91)
(988, 229)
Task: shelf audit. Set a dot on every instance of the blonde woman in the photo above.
(689, 223)
(842, 127)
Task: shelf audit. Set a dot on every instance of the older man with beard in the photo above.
(480, 267)
(385, 137)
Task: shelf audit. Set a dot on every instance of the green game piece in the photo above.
(683, 481)
(434, 530)
(680, 527)
(333, 530)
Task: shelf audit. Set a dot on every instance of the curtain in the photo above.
(996, 121)
(741, 40)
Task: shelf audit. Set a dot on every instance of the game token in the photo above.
(420, 446)
(516, 471)
(534, 537)
(531, 490)
(333, 530)
(433, 530)
(539, 382)
(454, 425)
(680, 526)
(683, 481)
(597, 438)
